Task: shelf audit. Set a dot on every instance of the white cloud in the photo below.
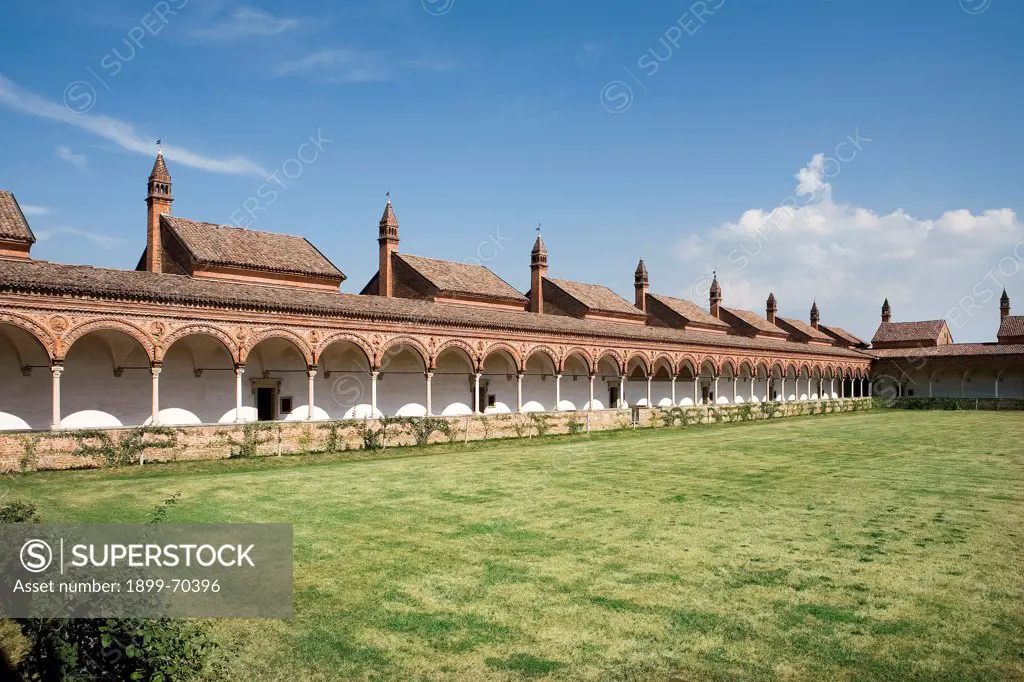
(850, 258)
(119, 132)
(349, 65)
(30, 210)
(103, 240)
(76, 160)
(246, 22)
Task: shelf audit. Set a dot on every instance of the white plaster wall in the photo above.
(92, 396)
(188, 399)
(25, 402)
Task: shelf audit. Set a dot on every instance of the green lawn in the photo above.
(880, 545)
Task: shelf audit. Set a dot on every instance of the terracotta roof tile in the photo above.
(597, 298)
(13, 225)
(842, 334)
(250, 249)
(1011, 325)
(803, 328)
(756, 321)
(951, 350)
(900, 332)
(690, 311)
(464, 279)
(40, 277)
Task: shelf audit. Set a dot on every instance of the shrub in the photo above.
(128, 448)
(74, 649)
(252, 439)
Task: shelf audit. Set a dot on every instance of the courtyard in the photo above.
(875, 545)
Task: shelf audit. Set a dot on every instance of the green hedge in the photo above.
(919, 403)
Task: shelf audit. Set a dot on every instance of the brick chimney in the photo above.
(158, 202)
(641, 281)
(538, 270)
(886, 311)
(815, 316)
(771, 307)
(715, 297)
(388, 241)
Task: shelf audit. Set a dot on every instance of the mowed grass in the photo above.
(881, 545)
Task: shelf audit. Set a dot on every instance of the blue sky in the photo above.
(485, 118)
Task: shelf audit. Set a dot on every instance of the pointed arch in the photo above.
(543, 350)
(731, 363)
(711, 360)
(642, 357)
(498, 346)
(474, 361)
(197, 330)
(612, 353)
(690, 362)
(300, 343)
(403, 343)
(582, 352)
(355, 339)
(111, 324)
(47, 340)
(751, 369)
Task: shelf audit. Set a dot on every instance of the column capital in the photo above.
(57, 368)
(239, 368)
(155, 368)
(428, 375)
(312, 370)
(375, 373)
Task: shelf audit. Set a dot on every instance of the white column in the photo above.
(519, 392)
(155, 371)
(591, 405)
(310, 390)
(476, 393)
(821, 387)
(870, 390)
(696, 388)
(673, 391)
(962, 377)
(56, 370)
(239, 371)
(558, 390)
(734, 380)
(714, 391)
(373, 393)
(751, 389)
(648, 390)
(430, 408)
(782, 394)
(930, 387)
(831, 387)
(622, 391)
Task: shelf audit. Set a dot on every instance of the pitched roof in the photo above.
(42, 278)
(842, 334)
(596, 298)
(465, 279)
(906, 332)
(958, 350)
(160, 169)
(754, 320)
(805, 329)
(689, 311)
(13, 225)
(249, 249)
(1011, 325)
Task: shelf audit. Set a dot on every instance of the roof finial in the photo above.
(388, 195)
(159, 147)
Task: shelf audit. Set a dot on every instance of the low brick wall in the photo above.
(95, 448)
(920, 403)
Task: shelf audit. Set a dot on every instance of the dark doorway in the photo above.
(613, 397)
(705, 394)
(265, 404)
